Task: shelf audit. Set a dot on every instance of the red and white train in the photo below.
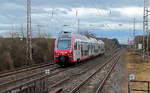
(72, 48)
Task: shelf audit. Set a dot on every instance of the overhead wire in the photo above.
(101, 13)
(52, 16)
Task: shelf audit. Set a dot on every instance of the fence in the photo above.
(135, 86)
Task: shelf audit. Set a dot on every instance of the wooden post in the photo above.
(148, 88)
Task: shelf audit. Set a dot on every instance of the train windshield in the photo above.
(64, 44)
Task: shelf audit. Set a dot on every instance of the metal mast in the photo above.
(29, 33)
(78, 22)
(39, 30)
(78, 25)
(147, 29)
(134, 32)
(145, 26)
(134, 27)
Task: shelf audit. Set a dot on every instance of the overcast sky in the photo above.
(105, 18)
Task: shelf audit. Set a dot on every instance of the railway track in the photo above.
(53, 71)
(24, 69)
(51, 75)
(16, 77)
(26, 77)
(84, 86)
(81, 71)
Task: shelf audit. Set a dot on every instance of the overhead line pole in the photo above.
(147, 29)
(145, 26)
(39, 30)
(134, 31)
(134, 27)
(78, 26)
(29, 33)
(78, 22)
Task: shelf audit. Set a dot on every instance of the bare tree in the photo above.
(22, 32)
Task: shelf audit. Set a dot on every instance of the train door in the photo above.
(82, 52)
(100, 49)
(91, 49)
(77, 51)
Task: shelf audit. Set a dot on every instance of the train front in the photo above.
(63, 52)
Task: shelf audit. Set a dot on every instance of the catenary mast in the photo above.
(29, 33)
(145, 28)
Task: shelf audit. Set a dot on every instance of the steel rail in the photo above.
(23, 78)
(20, 70)
(100, 68)
(107, 76)
(72, 75)
(34, 80)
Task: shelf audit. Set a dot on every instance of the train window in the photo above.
(85, 46)
(64, 44)
(96, 46)
(88, 46)
(99, 46)
(75, 46)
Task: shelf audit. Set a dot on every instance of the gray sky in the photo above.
(106, 18)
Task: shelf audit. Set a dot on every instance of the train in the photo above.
(73, 48)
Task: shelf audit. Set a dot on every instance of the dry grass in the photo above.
(140, 67)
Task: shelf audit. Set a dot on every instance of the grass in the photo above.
(134, 54)
(140, 67)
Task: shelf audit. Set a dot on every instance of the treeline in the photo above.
(13, 52)
(140, 39)
(110, 44)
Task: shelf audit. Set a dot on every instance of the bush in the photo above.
(13, 52)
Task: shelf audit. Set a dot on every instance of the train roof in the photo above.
(65, 34)
(85, 39)
(79, 37)
(93, 40)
